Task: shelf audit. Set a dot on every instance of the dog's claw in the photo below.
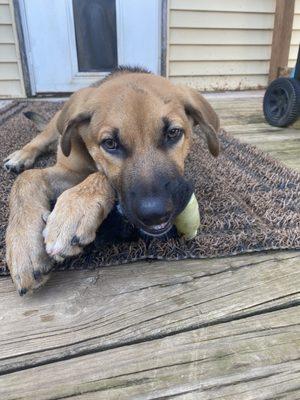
(45, 216)
(6, 166)
(12, 168)
(75, 241)
(37, 275)
(19, 161)
(22, 291)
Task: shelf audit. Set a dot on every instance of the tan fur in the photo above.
(85, 175)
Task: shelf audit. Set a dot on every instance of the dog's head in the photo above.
(137, 128)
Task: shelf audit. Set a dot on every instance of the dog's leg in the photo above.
(42, 143)
(30, 200)
(78, 213)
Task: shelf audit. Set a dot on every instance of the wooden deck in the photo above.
(211, 329)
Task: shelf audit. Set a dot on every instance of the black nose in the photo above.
(153, 211)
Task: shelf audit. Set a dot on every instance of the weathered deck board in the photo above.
(257, 357)
(163, 298)
(200, 329)
(245, 120)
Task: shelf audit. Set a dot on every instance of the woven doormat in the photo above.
(248, 202)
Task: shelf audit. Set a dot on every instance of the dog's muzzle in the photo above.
(153, 211)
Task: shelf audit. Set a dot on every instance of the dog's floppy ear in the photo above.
(71, 129)
(73, 114)
(203, 115)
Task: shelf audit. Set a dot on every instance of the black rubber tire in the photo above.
(281, 103)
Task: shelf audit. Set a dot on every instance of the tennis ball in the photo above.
(188, 221)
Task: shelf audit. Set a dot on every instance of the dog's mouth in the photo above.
(157, 230)
(152, 230)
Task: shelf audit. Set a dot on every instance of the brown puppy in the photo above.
(128, 139)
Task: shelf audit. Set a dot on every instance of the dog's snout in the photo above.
(151, 202)
(153, 210)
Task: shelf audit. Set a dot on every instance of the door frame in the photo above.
(26, 46)
(85, 77)
(22, 48)
(81, 77)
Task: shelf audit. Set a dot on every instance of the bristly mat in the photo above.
(248, 202)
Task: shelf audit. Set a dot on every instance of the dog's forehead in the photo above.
(133, 99)
(126, 91)
(136, 108)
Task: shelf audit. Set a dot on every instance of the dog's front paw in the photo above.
(26, 257)
(71, 225)
(19, 160)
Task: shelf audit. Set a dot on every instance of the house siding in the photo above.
(11, 78)
(222, 45)
(212, 45)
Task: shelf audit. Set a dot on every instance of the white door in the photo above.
(72, 43)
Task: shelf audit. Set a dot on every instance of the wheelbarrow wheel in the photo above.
(281, 103)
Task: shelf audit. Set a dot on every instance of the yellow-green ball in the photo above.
(188, 221)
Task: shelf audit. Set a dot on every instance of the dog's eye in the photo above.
(174, 134)
(109, 144)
